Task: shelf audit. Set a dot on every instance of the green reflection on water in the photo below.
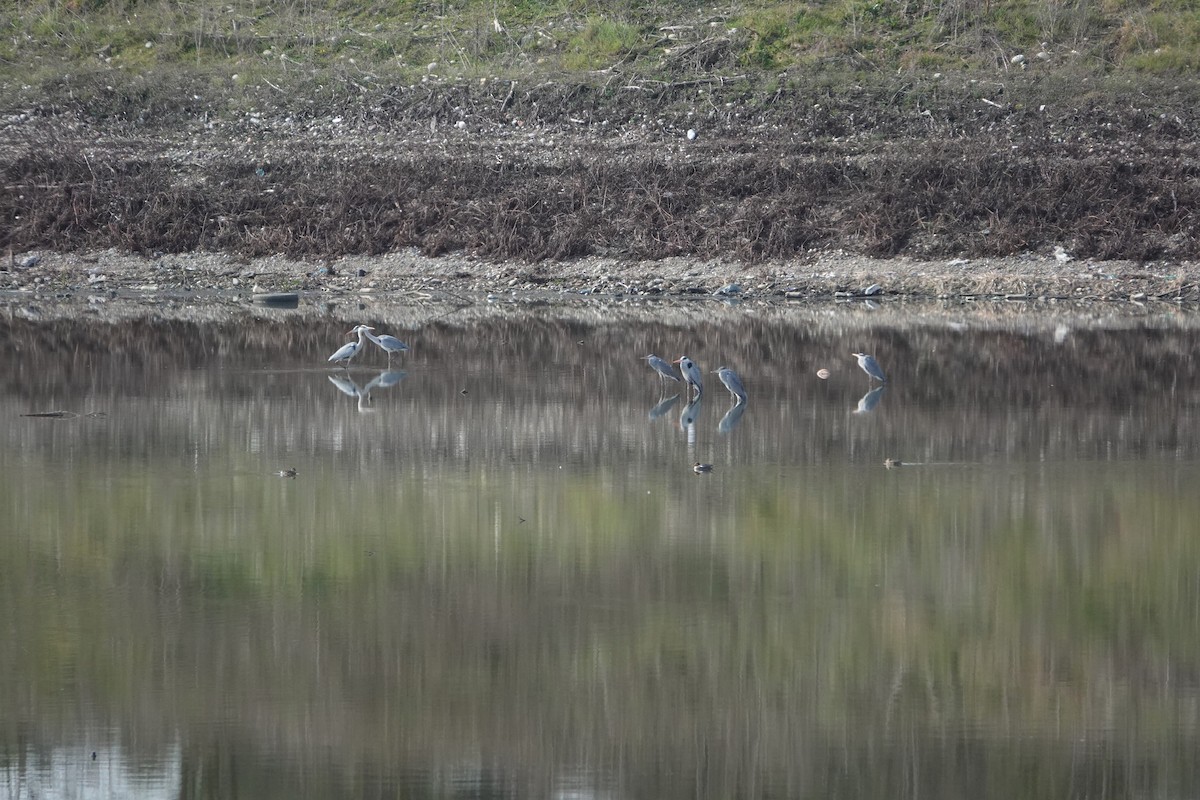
(786, 624)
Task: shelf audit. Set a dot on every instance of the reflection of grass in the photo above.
(903, 591)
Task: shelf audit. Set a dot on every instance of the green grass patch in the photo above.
(601, 43)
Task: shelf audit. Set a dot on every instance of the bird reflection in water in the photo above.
(732, 417)
(687, 419)
(869, 400)
(663, 406)
(349, 387)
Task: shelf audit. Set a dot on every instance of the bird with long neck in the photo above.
(389, 344)
(663, 369)
(349, 350)
(691, 374)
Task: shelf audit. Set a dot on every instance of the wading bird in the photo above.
(350, 349)
(871, 367)
(663, 369)
(732, 382)
(691, 374)
(390, 344)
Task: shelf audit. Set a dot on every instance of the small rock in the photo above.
(872, 290)
(691, 134)
(728, 290)
(30, 261)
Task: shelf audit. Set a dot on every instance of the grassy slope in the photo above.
(467, 39)
(831, 86)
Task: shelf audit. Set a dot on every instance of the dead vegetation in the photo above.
(856, 172)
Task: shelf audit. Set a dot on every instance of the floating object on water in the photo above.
(290, 472)
(892, 463)
(823, 374)
(700, 469)
(277, 299)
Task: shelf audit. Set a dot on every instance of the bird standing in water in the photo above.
(733, 383)
(350, 349)
(871, 367)
(389, 344)
(691, 374)
(663, 369)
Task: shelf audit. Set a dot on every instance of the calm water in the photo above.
(498, 576)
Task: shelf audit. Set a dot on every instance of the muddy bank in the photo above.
(741, 171)
(110, 283)
(913, 187)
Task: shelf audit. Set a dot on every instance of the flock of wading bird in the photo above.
(689, 373)
(692, 377)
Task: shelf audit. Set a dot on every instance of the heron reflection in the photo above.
(687, 420)
(868, 401)
(663, 406)
(732, 417)
(349, 387)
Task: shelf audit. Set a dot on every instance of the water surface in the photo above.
(495, 574)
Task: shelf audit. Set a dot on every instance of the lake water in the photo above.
(497, 574)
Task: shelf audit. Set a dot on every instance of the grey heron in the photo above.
(350, 349)
(871, 367)
(732, 382)
(389, 344)
(663, 368)
(691, 374)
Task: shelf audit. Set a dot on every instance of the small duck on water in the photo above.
(290, 472)
(699, 468)
(891, 463)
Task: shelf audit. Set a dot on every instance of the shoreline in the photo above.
(113, 285)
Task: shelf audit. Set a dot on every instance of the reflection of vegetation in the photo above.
(803, 607)
(819, 608)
